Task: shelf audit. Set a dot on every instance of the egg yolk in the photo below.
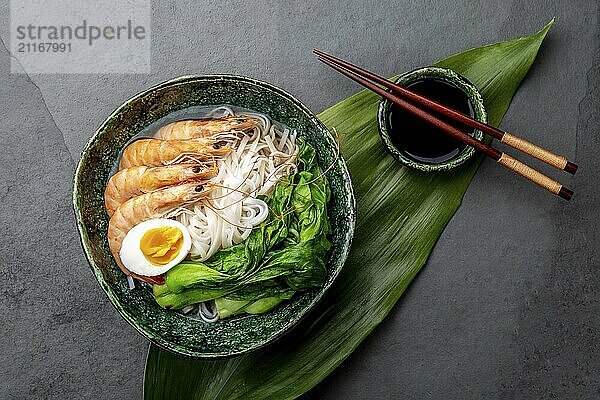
(161, 245)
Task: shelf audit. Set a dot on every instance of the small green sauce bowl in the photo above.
(452, 78)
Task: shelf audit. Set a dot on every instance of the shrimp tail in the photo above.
(122, 186)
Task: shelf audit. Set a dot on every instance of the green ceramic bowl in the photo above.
(451, 77)
(168, 329)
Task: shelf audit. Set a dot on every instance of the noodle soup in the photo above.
(256, 165)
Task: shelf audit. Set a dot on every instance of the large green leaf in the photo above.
(401, 214)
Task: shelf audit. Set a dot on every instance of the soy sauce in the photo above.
(421, 141)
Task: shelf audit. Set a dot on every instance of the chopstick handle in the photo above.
(534, 176)
(526, 147)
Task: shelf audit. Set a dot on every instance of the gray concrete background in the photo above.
(506, 307)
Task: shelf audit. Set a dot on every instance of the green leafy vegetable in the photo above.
(401, 215)
(283, 255)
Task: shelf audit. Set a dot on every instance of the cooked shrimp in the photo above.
(148, 206)
(155, 152)
(133, 181)
(197, 128)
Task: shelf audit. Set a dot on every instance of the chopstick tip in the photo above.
(565, 193)
(571, 167)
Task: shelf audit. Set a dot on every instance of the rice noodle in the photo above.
(207, 311)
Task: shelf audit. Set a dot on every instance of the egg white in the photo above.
(132, 256)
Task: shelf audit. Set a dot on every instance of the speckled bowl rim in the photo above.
(350, 203)
(456, 80)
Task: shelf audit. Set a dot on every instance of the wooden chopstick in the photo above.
(502, 158)
(509, 139)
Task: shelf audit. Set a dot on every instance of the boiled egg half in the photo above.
(155, 246)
